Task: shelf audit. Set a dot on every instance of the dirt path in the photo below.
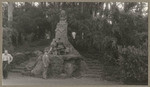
(18, 79)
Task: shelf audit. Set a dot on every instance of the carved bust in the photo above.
(63, 15)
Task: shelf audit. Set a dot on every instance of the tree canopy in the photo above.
(118, 31)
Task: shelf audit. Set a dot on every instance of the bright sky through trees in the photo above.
(119, 4)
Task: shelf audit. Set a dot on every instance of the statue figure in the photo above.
(53, 49)
(60, 47)
(62, 15)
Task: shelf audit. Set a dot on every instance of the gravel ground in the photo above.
(18, 79)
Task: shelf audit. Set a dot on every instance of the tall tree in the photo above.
(10, 14)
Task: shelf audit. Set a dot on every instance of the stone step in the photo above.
(94, 71)
(93, 64)
(91, 60)
(95, 68)
(16, 70)
(19, 67)
(91, 72)
(91, 76)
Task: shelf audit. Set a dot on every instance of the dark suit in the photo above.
(5, 69)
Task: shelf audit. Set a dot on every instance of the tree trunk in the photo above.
(82, 7)
(10, 14)
(17, 40)
(93, 13)
(140, 5)
(43, 4)
(52, 30)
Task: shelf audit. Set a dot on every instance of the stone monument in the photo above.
(61, 32)
(63, 65)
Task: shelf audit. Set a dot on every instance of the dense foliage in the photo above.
(119, 34)
(133, 64)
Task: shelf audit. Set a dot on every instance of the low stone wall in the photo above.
(61, 66)
(65, 66)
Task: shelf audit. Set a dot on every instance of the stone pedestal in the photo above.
(61, 32)
(72, 60)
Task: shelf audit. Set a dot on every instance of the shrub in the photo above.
(133, 64)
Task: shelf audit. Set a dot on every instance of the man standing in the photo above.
(46, 62)
(7, 59)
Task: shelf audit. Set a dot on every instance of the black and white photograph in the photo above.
(74, 43)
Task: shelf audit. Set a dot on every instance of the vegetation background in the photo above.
(115, 33)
